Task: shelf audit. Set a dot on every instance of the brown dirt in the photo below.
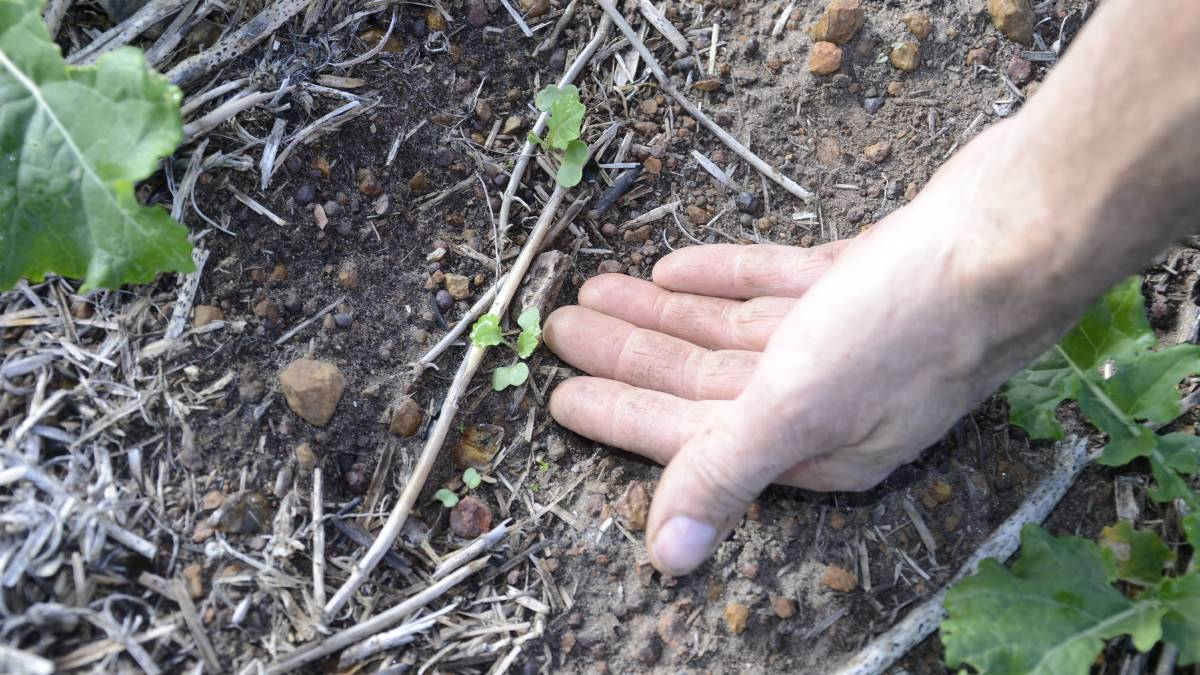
(622, 616)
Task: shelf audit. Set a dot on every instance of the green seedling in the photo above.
(449, 498)
(563, 131)
(486, 333)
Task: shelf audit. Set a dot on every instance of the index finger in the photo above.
(745, 272)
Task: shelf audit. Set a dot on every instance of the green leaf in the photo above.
(1124, 450)
(73, 144)
(446, 497)
(1140, 554)
(570, 171)
(1114, 328)
(533, 138)
(530, 322)
(510, 376)
(530, 319)
(551, 93)
(1050, 614)
(486, 331)
(1145, 389)
(471, 478)
(1181, 625)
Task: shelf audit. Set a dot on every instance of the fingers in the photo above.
(647, 422)
(608, 347)
(742, 272)
(715, 323)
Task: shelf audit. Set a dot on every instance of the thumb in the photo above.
(703, 493)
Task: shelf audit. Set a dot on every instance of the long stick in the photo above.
(665, 82)
(886, 649)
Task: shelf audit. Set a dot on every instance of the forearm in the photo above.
(1110, 145)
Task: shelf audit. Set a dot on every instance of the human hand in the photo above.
(822, 368)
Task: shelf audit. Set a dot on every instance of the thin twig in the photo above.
(379, 622)
(318, 538)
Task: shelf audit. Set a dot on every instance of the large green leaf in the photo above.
(1113, 329)
(1053, 611)
(73, 144)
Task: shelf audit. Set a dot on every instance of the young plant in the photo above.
(486, 333)
(1086, 593)
(563, 131)
(449, 498)
(74, 142)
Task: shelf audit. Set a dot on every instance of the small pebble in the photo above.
(872, 105)
(343, 320)
(749, 203)
(444, 299)
(305, 194)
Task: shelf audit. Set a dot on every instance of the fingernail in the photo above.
(683, 543)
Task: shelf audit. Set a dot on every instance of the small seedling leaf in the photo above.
(486, 331)
(446, 497)
(471, 478)
(510, 376)
(534, 138)
(531, 332)
(570, 171)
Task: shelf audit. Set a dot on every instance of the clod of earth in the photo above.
(206, 314)
(840, 21)
(434, 20)
(458, 286)
(245, 513)
(711, 84)
(312, 389)
(939, 492)
(372, 36)
(306, 459)
(878, 152)
(829, 151)
(825, 59)
(212, 500)
(737, 616)
(784, 608)
(478, 446)
(697, 215)
(634, 506)
(511, 125)
(470, 518)
(368, 184)
(1020, 70)
(918, 24)
(406, 418)
(1014, 18)
(839, 579)
(905, 56)
(980, 56)
(535, 8)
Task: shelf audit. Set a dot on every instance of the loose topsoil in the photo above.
(806, 579)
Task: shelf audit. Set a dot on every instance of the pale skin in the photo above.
(826, 368)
